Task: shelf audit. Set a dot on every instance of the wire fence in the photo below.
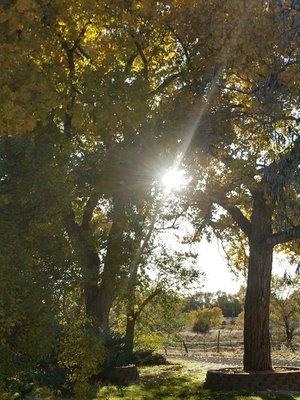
(219, 342)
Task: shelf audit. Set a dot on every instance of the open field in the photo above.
(228, 350)
(179, 380)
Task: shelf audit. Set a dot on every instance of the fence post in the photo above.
(218, 341)
(185, 346)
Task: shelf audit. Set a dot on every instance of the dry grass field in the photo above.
(229, 347)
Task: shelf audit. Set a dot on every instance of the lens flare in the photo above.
(173, 179)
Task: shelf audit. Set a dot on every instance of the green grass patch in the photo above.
(179, 381)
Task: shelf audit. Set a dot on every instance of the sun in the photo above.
(173, 179)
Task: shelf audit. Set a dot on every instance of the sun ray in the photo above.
(174, 179)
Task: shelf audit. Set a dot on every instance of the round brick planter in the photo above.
(282, 378)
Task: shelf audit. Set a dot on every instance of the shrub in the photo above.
(116, 356)
(82, 354)
(203, 320)
(239, 322)
(148, 357)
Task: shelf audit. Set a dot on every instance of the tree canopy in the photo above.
(98, 101)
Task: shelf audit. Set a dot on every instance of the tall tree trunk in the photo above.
(110, 277)
(98, 297)
(91, 267)
(288, 334)
(257, 346)
(98, 300)
(129, 334)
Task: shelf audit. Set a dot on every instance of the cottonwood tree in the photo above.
(93, 73)
(245, 146)
(89, 75)
(173, 271)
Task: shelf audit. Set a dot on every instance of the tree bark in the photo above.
(91, 267)
(129, 334)
(257, 346)
(99, 290)
(289, 334)
(108, 288)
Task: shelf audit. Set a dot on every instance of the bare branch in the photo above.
(148, 299)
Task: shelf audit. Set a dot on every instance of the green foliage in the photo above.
(285, 308)
(201, 321)
(115, 354)
(28, 316)
(96, 99)
(82, 355)
(148, 357)
(34, 257)
(230, 304)
(239, 322)
(183, 380)
(161, 322)
(146, 338)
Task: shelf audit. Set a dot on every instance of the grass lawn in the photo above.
(180, 381)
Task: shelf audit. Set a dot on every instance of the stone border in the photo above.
(285, 378)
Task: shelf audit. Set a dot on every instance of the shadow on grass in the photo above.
(173, 382)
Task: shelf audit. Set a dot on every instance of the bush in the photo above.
(116, 355)
(239, 322)
(148, 357)
(82, 355)
(203, 320)
(200, 326)
(26, 339)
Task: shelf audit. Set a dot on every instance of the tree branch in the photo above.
(148, 299)
(182, 44)
(80, 36)
(170, 79)
(289, 160)
(285, 236)
(129, 63)
(141, 53)
(89, 209)
(72, 227)
(237, 215)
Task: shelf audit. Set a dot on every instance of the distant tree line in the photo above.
(230, 304)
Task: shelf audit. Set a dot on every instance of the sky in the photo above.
(212, 262)
(218, 276)
(211, 258)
